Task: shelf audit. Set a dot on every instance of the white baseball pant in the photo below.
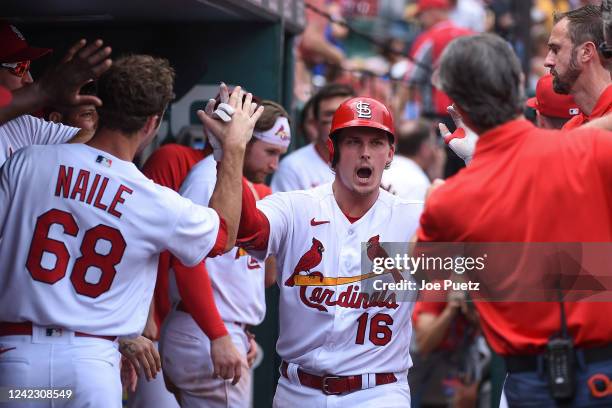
(55, 359)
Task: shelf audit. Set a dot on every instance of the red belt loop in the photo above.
(25, 329)
(333, 384)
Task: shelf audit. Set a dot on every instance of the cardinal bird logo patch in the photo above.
(317, 291)
(282, 133)
(308, 261)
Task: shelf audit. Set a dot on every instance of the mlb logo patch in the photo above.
(104, 161)
(574, 111)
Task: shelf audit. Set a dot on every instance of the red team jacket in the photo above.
(530, 185)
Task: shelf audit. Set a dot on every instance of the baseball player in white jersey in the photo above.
(340, 347)
(237, 280)
(81, 232)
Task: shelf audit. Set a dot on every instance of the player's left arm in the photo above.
(234, 136)
(254, 226)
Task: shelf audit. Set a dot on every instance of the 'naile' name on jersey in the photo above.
(90, 193)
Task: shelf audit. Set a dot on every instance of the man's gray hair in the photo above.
(482, 75)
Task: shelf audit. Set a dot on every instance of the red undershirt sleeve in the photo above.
(196, 292)
(254, 228)
(219, 247)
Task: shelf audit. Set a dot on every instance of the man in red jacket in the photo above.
(504, 196)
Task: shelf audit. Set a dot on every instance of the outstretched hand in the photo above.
(223, 112)
(463, 140)
(239, 130)
(82, 63)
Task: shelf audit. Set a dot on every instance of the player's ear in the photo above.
(152, 124)
(55, 117)
(390, 156)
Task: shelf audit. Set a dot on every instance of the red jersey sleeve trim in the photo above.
(254, 228)
(221, 242)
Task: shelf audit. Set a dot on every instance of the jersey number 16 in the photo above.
(380, 329)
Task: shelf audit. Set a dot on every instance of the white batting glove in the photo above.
(463, 140)
(223, 112)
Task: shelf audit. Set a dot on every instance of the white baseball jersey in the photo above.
(27, 130)
(238, 279)
(405, 179)
(81, 235)
(301, 170)
(335, 329)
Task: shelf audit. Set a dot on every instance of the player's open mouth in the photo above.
(363, 174)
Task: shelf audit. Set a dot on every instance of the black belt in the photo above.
(519, 364)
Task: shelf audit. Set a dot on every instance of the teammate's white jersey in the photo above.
(81, 235)
(238, 279)
(301, 170)
(405, 179)
(331, 328)
(27, 130)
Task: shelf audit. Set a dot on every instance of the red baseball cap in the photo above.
(14, 46)
(550, 103)
(5, 97)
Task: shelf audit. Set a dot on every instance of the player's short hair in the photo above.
(134, 88)
(330, 91)
(272, 111)
(482, 75)
(410, 139)
(584, 24)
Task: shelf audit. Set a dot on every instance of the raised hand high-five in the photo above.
(242, 113)
(463, 140)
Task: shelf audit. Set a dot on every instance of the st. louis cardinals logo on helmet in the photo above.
(363, 110)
